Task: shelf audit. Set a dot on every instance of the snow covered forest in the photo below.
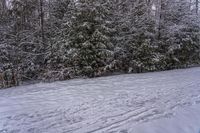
(49, 40)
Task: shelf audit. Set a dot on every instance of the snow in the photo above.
(159, 102)
(186, 120)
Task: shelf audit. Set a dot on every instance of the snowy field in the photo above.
(160, 102)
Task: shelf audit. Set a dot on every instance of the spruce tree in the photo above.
(140, 47)
(179, 40)
(89, 43)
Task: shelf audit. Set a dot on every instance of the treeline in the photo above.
(63, 39)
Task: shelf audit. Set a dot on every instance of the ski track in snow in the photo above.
(100, 105)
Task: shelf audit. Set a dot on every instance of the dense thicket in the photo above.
(62, 39)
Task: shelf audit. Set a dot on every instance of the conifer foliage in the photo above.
(89, 42)
(63, 39)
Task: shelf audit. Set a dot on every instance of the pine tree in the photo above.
(59, 64)
(89, 44)
(179, 34)
(139, 46)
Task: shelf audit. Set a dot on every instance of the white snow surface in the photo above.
(159, 102)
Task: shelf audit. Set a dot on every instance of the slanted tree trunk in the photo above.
(42, 22)
(159, 8)
(197, 6)
(3, 6)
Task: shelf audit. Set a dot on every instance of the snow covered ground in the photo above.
(160, 102)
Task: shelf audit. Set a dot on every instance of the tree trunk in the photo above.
(42, 22)
(3, 8)
(197, 6)
(158, 17)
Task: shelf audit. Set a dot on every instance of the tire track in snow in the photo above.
(135, 116)
(98, 105)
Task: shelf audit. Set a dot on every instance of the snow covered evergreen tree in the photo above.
(179, 32)
(63, 39)
(58, 23)
(137, 35)
(89, 43)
